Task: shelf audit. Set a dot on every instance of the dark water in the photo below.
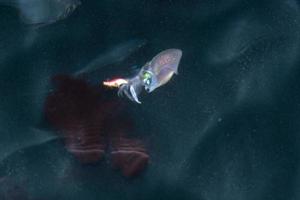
(227, 127)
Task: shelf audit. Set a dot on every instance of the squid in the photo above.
(152, 75)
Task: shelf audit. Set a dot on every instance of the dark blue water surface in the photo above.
(226, 128)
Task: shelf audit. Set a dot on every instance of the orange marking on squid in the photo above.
(115, 83)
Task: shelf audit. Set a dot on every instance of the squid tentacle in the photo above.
(121, 90)
(134, 95)
(129, 91)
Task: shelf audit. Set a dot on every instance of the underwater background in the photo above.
(226, 127)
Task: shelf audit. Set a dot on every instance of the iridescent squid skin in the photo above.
(152, 75)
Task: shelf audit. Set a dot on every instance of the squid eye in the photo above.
(147, 78)
(147, 81)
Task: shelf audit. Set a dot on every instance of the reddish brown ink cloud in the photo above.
(92, 121)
